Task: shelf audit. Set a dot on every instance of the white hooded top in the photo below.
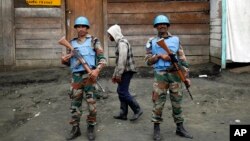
(124, 56)
(115, 32)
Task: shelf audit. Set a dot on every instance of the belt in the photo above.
(80, 72)
(167, 71)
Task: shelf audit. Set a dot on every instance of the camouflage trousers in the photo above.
(164, 82)
(80, 91)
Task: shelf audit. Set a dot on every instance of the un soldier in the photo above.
(124, 71)
(90, 49)
(165, 76)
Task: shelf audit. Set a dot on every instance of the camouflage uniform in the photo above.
(80, 91)
(166, 79)
(163, 82)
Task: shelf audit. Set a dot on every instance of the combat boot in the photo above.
(91, 132)
(133, 104)
(123, 111)
(180, 130)
(156, 135)
(75, 132)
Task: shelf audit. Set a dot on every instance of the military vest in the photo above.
(172, 43)
(87, 52)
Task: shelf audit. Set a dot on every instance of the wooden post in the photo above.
(105, 27)
(8, 42)
(63, 22)
(1, 36)
(224, 36)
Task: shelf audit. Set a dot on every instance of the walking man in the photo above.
(123, 73)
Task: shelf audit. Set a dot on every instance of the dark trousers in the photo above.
(123, 87)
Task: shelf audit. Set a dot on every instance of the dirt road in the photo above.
(34, 106)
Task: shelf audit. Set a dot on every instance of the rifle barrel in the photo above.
(163, 45)
(189, 93)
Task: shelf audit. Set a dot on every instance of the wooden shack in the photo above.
(189, 20)
(29, 33)
(37, 29)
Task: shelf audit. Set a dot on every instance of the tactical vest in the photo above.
(172, 43)
(87, 52)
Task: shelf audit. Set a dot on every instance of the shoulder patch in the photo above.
(94, 40)
(149, 42)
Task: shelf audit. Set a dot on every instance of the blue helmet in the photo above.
(81, 21)
(161, 19)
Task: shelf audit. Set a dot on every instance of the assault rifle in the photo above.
(174, 61)
(65, 43)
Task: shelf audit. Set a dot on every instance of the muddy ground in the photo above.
(34, 106)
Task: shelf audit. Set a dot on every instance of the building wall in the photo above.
(215, 31)
(29, 34)
(7, 42)
(38, 28)
(189, 20)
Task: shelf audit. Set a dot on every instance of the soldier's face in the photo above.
(162, 28)
(81, 30)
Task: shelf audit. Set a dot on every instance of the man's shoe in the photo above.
(121, 117)
(136, 115)
(123, 111)
(134, 105)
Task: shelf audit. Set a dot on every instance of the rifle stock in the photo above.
(162, 44)
(174, 61)
(65, 43)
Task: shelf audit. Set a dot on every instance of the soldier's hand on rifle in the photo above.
(164, 57)
(154, 58)
(66, 57)
(188, 82)
(94, 74)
